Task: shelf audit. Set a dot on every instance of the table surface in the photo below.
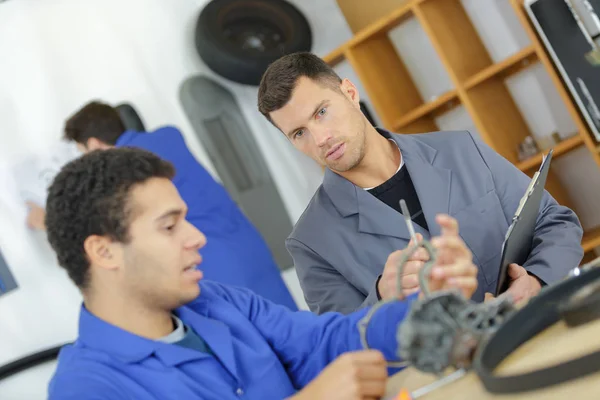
(556, 344)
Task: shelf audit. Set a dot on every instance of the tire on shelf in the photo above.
(238, 39)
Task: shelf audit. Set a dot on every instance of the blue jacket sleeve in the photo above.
(170, 145)
(167, 142)
(325, 289)
(306, 343)
(557, 240)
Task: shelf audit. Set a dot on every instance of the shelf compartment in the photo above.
(384, 24)
(421, 125)
(454, 37)
(443, 103)
(336, 56)
(360, 14)
(497, 117)
(505, 68)
(560, 148)
(377, 28)
(385, 78)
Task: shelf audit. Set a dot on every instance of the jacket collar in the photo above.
(432, 184)
(126, 137)
(97, 334)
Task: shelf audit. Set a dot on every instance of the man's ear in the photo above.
(102, 252)
(350, 91)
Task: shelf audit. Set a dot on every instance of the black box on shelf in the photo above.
(570, 31)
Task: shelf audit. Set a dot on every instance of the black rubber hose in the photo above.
(29, 361)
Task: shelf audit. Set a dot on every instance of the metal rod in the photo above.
(408, 220)
(456, 375)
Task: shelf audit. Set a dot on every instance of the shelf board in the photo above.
(517, 61)
(336, 56)
(591, 239)
(428, 108)
(561, 148)
(382, 25)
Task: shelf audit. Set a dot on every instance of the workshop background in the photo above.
(56, 55)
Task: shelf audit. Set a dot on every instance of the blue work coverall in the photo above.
(235, 253)
(260, 350)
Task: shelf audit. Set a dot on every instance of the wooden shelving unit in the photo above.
(443, 103)
(507, 67)
(563, 147)
(478, 83)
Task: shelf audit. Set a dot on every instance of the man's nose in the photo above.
(196, 239)
(321, 136)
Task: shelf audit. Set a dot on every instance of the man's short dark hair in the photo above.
(279, 80)
(90, 196)
(95, 120)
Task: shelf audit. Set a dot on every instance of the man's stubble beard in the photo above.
(358, 153)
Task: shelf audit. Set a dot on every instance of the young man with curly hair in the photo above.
(149, 327)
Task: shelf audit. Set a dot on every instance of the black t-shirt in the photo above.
(398, 187)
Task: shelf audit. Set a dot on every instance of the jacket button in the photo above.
(239, 392)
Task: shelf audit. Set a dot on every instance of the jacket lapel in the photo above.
(215, 333)
(377, 218)
(374, 217)
(431, 182)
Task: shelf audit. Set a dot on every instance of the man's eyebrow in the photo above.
(316, 110)
(170, 213)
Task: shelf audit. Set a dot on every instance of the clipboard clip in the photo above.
(532, 184)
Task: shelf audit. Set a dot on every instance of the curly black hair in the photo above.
(89, 196)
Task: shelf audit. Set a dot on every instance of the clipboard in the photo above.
(519, 237)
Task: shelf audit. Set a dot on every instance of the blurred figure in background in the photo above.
(235, 253)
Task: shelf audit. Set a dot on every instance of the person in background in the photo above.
(347, 242)
(149, 328)
(232, 239)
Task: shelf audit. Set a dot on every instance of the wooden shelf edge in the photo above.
(381, 25)
(426, 108)
(561, 148)
(591, 239)
(336, 56)
(498, 68)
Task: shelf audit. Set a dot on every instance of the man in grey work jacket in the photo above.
(347, 243)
